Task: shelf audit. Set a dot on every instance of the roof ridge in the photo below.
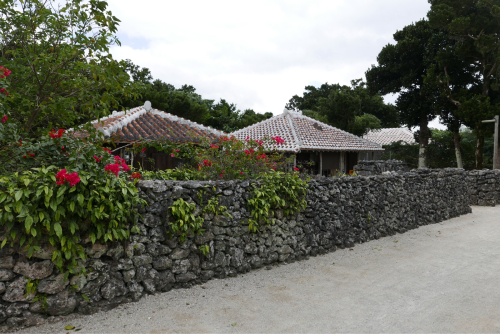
(186, 121)
(294, 133)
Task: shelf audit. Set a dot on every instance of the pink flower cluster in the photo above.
(62, 177)
(5, 71)
(135, 176)
(278, 140)
(53, 134)
(117, 166)
(4, 119)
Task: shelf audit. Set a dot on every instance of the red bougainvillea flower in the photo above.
(53, 134)
(135, 176)
(214, 146)
(143, 150)
(24, 156)
(106, 149)
(207, 163)
(97, 159)
(31, 155)
(119, 160)
(176, 150)
(296, 169)
(125, 167)
(4, 119)
(2, 90)
(278, 140)
(62, 177)
(5, 71)
(241, 173)
(112, 168)
(221, 175)
(172, 155)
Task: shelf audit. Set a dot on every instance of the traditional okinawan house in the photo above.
(144, 123)
(331, 150)
(387, 136)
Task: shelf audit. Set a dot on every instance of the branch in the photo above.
(455, 102)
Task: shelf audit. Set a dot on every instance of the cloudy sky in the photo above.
(258, 54)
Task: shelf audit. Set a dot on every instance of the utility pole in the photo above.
(496, 157)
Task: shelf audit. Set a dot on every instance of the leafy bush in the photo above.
(70, 189)
(277, 191)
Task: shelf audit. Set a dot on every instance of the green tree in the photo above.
(350, 108)
(401, 69)
(475, 27)
(64, 73)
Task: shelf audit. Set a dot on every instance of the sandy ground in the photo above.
(438, 278)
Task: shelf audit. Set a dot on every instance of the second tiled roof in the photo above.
(304, 133)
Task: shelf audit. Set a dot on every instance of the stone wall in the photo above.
(340, 213)
(484, 187)
(377, 167)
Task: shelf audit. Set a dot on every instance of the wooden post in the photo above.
(342, 163)
(320, 172)
(294, 161)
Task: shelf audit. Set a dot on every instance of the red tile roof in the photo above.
(148, 123)
(304, 133)
(390, 135)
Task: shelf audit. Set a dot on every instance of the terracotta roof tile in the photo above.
(304, 133)
(148, 123)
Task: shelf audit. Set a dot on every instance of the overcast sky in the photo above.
(258, 54)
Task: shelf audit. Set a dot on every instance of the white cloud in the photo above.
(258, 54)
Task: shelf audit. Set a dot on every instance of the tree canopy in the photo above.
(350, 108)
(62, 70)
(402, 68)
(474, 27)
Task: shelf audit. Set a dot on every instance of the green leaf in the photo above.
(68, 328)
(61, 191)
(18, 195)
(41, 215)
(28, 222)
(72, 206)
(80, 199)
(58, 229)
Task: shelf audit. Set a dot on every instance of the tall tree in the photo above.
(475, 27)
(401, 69)
(59, 56)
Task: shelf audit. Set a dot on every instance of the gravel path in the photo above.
(438, 278)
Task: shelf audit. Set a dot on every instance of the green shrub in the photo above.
(277, 191)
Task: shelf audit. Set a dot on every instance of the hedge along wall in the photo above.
(340, 213)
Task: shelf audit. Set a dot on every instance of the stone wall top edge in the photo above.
(195, 184)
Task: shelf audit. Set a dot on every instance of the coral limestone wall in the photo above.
(340, 213)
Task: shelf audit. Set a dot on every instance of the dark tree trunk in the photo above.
(479, 148)
(424, 142)
(458, 153)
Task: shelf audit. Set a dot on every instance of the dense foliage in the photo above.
(350, 108)
(185, 102)
(441, 150)
(63, 73)
(68, 189)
